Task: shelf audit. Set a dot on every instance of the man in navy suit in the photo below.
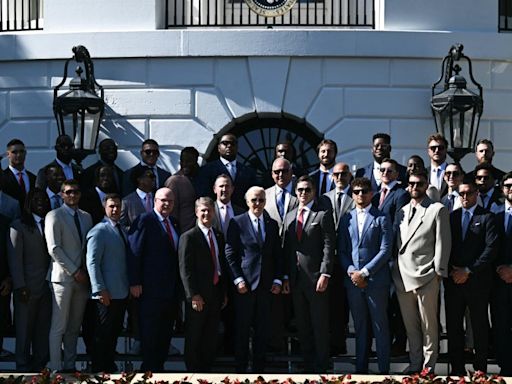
(253, 252)
(502, 319)
(243, 177)
(107, 248)
(322, 177)
(488, 192)
(16, 180)
(364, 248)
(474, 249)
(153, 274)
(381, 149)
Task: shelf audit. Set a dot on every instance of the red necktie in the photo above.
(22, 182)
(300, 224)
(169, 233)
(383, 195)
(214, 258)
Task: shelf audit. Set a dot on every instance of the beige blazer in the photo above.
(64, 246)
(423, 245)
(271, 205)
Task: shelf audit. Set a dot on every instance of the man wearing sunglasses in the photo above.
(65, 230)
(474, 249)
(364, 248)
(488, 192)
(436, 148)
(423, 241)
(309, 243)
(453, 176)
(253, 252)
(502, 318)
(149, 154)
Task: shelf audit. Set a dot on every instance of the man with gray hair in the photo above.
(253, 252)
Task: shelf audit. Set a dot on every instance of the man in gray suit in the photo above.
(28, 263)
(281, 196)
(339, 202)
(223, 189)
(65, 232)
(309, 243)
(106, 264)
(423, 239)
(140, 200)
(9, 206)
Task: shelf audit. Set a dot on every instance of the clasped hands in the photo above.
(358, 279)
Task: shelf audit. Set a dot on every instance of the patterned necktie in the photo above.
(214, 258)
(383, 194)
(465, 224)
(300, 224)
(281, 202)
(169, 233)
(77, 224)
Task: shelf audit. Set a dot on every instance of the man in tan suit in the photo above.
(423, 242)
(65, 231)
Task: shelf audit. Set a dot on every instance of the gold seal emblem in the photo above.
(270, 8)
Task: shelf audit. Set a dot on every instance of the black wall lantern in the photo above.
(456, 109)
(79, 111)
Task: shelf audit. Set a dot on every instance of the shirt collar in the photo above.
(153, 167)
(160, 217)
(69, 210)
(220, 204)
(253, 216)
(203, 228)
(376, 165)
(225, 161)
(50, 193)
(470, 210)
(15, 171)
(507, 205)
(63, 165)
(308, 206)
(365, 209)
(441, 167)
(390, 186)
(111, 222)
(141, 193)
(37, 218)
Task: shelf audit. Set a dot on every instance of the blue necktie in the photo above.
(509, 224)
(465, 224)
(281, 202)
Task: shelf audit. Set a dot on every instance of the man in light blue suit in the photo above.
(106, 263)
(364, 248)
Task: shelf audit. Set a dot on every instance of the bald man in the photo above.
(153, 274)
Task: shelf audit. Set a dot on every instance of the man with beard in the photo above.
(322, 177)
(437, 146)
(242, 176)
(484, 154)
(381, 149)
(423, 241)
(107, 150)
(488, 192)
(64, 148)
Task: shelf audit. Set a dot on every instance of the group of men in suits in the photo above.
(324, 243)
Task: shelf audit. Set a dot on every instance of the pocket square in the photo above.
(476, 224)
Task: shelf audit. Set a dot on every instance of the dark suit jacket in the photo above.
(91, 203)
(497, 173)
(315, 176)
(87, 179)
(153, 262)
(258, 264)
(496, 198)
(128, 185)
(132, 207)
(367, 171)
(4, 230)
(314, 253)
(245, 178)
(41, 178)
(196, 263)
(504, 254)
(11, 186)
(216, 220)
(394, 201)
(480, 247)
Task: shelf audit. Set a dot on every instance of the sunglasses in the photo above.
(278, 171)
(387, 170)
(258, 200)
(340, 174)
(360, 191)
(226, 143)
(416, 184)
(70, 192)
(304, 190)
(483, 177)
(464, 194)
(452, 173)
(507, 186)
(151, 152)
(433, 148)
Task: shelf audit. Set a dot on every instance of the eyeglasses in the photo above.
(340, 174)
(452, 173)
(360, 191)
(150, 152)
(386, 170)
(227, 142)
(258, 200)
(482, 177)
(304, 190)
(416, 184)
(464, 194)
(70, 192)
(507, 186)
(278, 171)
(433, 148)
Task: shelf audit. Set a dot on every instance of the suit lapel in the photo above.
(368, 220)
(416, 221)
(71, 223)
(311, 217)
(353, 227)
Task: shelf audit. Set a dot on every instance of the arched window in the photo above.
(258, 136)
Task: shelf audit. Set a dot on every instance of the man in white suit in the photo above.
(65, 232)
(423, 241)
(280, 197)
